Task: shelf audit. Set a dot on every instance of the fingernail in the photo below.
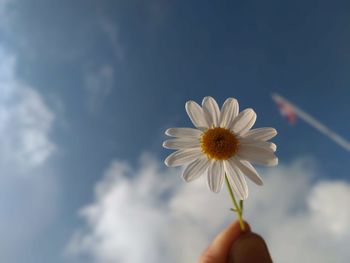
(250, 248)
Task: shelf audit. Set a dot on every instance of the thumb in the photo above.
(249, 248)
(219, 249)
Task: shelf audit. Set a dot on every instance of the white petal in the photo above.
(229, 112)
(273, 146)
(249, 171)
(196, 169)
(211, 108)
(181, 157)
(183, 132)
(236, 179)
(244, 121)
(261, 134)
(269, 146)
(181, 143)
(216, 176)
(196, 114)
(256, 154)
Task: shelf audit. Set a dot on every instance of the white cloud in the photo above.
(25, 120)
(288, 210)
(321, 202)
(150, 215)
(27, 187)
(98, 85)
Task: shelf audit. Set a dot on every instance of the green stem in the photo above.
(238, 208)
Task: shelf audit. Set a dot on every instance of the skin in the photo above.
(233, 245)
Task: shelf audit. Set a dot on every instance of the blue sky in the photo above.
(100, 81)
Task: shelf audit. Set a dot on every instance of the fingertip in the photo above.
(237, 229)
(242, 249)
(219, 249)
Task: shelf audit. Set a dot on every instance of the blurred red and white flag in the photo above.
(291, 112)
(287, 111)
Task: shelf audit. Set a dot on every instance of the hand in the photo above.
(233, 245)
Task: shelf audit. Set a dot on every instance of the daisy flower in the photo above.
(223, 146)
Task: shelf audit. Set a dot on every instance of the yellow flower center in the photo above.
(219, 143)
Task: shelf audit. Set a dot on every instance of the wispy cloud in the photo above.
(27, 187)
(98, 85)
(50, 38)
(149, 213)
(25, 120)
(111, 31)
(5, 11)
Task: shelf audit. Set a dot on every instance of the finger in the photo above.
(248, 248)
(219, 249)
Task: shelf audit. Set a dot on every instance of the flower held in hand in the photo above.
(222, 146)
